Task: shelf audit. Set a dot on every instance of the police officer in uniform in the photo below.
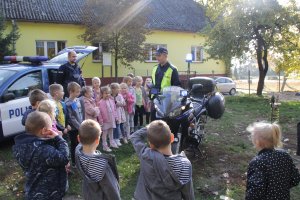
(70, 72)
(164, 74)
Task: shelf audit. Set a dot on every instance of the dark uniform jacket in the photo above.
(68, 73)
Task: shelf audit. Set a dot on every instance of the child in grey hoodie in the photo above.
(162, 175)
(99, 171)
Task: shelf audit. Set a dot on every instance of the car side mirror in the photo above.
(8, 96)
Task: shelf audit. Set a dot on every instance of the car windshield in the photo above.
(5, 75)
(63, 58)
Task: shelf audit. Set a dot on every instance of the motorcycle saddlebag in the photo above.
(216, 106)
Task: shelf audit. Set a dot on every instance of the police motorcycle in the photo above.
(188, 110)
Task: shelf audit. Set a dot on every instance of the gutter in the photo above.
(13, 22)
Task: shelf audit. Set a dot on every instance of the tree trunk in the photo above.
(262, 61)
(116, 56)
(283, 83)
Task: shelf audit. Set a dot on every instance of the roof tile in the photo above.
(174, 15)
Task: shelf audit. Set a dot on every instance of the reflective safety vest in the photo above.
(166, 81)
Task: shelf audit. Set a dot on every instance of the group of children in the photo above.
(113, 112)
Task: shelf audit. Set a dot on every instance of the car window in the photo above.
(22, 86)
(52, 73)
(5, 75)
(228, 81)
(221, 80)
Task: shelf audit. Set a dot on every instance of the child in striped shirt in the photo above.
(162, 174)
(99, 171)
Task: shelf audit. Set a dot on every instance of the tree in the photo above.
(288, 60)
(120, 25)
(253, 26)
(7, 41)
(235, 72)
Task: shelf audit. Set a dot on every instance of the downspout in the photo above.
(13, 22)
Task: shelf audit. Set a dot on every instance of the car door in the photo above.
(229, 85)
(221, 84)
(13, 110)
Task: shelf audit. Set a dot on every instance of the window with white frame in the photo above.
(98, 54)
(150, 51)
(197, 53)
(49, 48)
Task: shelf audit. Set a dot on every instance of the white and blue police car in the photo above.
(22, 75)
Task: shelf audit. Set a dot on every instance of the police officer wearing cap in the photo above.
(164, 74)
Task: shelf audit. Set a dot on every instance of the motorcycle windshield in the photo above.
(169, 100)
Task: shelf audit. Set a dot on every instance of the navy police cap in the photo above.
(161, 50)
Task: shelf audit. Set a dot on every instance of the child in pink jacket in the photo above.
(90, 108)
(129, 99)
(107, 118)
(120, 104)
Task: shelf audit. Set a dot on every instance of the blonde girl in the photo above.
(120, 104)
(48, 106)
(96, 83)
(107, 118)
(271, 173)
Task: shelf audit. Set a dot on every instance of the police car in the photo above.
(18, 78)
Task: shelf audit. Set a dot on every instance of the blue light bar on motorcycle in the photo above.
(33, 59)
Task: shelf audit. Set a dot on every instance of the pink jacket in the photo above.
(96, 96)
(104, 115)
(129, 99)
(91, 111)
(120, 104)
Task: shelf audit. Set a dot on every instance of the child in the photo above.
(96, 82)
(272, 173)
(107, 118)
(42, 163)
(147, 85)
(35, 97)
(162, 174)
(75, 110)
(91, 110)
(131, 90)
(48, 106)
(140, 96)
(100, 177)
(57, 93)
(120, 104)
(129, 100)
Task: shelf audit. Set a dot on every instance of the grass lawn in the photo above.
(220, 170)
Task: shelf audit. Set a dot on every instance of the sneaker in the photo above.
(118, 142)
(106, 148)
(114, 145)
(125, 141)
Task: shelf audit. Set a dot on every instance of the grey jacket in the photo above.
(157, 180)
(107, 186)
(73, 113)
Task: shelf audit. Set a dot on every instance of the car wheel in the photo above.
(232, 91)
